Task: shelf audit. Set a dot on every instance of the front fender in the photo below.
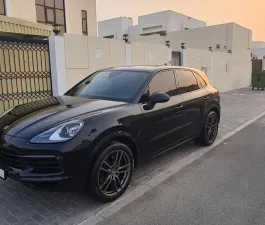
(114, 133)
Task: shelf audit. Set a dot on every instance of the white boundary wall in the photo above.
(74, 57)
(225, 71)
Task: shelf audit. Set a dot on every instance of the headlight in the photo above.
(60, 133)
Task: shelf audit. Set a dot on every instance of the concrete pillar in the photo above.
(184, 57)
(58, 66)
(169, 57)
(128, 49)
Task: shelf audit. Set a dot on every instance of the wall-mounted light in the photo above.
(211, 48)
(125, 38)
(183, 46)
(218, 46)
(56, 29)
(168, 44)
(230, 51)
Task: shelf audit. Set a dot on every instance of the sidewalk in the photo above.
(22, 205)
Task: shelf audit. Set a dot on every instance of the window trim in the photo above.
(54, 9)
(4, 4)
(84, 20)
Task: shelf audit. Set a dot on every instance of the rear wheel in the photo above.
(209, 131)
(111, 173)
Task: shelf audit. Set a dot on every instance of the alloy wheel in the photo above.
(211, 128)
(114, 173)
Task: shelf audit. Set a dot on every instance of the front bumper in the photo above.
(63, 163)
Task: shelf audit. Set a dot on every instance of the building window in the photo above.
(51, 12)
(2, 7)
(84, 22)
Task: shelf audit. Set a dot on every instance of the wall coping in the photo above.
(18, 26)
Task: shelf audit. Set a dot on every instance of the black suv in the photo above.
(93, 136)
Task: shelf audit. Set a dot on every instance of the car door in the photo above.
(161, 126)
(193, 102)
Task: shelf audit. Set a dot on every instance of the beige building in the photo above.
(223, 50)
(36, 17)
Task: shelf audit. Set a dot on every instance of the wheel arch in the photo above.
(119, 134)
(214, 108)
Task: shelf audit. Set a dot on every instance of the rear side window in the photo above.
(187, 81)
(201, 82)
(163, 82)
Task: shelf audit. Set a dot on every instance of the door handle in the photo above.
(206, 98)
(178, 106)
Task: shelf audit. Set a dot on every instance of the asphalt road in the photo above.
(225, 186)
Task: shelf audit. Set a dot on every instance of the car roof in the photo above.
(151, 69)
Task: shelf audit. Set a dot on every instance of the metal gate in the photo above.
(256, 65)
(25, 74)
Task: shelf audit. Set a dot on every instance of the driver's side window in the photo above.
(163, 81)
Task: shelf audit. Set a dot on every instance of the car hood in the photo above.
(30, 119)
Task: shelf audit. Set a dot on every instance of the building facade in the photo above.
(73, 16)
(156, 23)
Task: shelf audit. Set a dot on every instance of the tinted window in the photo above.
(2, 7)
(201, 82)
(163, 82)
(84, 22)
(51, 12)
(187, 81)
(111, 85)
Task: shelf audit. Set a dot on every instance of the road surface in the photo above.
(225, 186)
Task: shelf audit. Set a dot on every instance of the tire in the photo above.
(204, 139)
(104, 173)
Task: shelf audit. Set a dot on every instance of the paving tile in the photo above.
(10, 219)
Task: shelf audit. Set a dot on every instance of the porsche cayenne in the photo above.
(93, 136)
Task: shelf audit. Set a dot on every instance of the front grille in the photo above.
(23, 160)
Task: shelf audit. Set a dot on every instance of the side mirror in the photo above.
(158, 97)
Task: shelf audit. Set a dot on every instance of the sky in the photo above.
(247, 13)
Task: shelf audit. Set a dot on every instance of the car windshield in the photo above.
(111, 85)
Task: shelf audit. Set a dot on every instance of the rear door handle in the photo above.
(206, 98)
(178, 106)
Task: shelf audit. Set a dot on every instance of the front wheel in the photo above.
(209, 131)
(111, 173)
